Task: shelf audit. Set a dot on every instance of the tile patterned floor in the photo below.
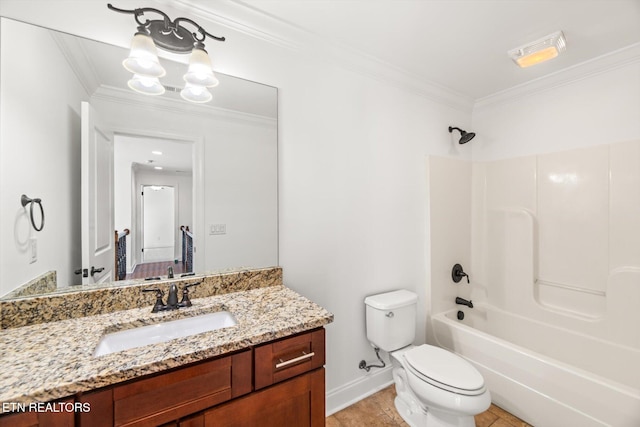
(379, 410)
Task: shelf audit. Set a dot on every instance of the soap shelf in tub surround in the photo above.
(54, 360)
(68, 304)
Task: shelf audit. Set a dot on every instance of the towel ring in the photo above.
(25, 201)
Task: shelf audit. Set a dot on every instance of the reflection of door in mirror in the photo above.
(158, 223)
(97, 199)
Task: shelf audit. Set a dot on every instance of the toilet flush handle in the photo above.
(390, 314)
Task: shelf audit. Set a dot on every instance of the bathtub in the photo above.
(546, 375)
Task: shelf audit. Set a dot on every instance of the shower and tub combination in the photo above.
(555, 282)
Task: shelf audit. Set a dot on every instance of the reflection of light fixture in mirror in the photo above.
(158, 168)
(539, 51)
(157, 153)
(146, 85)
(196, 93)
(173, 37)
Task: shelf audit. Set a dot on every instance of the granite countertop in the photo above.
(47, 361)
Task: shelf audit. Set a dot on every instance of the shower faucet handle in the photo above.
(457, 273)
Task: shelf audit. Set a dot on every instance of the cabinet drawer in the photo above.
(280, 360)
(166, 397)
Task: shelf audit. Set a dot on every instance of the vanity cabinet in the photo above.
(279, 383)
(289, 387)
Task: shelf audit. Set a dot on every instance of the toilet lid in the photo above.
(445, 369)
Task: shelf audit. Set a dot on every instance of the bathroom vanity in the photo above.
(265, 370)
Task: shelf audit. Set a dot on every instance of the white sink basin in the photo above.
(161, 332)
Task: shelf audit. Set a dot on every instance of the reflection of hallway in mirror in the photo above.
(155, 269)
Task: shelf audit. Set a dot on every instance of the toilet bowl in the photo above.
(435, 388)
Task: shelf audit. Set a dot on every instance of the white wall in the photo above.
(352, 186)
(599, 109)
(51, 147)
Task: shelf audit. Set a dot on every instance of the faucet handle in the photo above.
(158, 291)
(186, 287)
(159, 305)
(186, 301)
(457, 273)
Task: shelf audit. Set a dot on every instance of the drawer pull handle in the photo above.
(294, 360)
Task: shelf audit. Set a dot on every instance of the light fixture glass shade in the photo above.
(146, 85)
(539, 51)
(200, 72)
(196, 93)
(143, 57)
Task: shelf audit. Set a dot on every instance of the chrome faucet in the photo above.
(463, 301)
(172, 299)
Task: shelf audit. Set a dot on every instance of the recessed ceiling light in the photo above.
(158, 167)
(539, 51)
(157, 153)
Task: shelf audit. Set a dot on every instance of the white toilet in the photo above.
(435, 388)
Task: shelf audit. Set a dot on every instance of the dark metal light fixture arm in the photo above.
(200, 29)
(169, 24)
(139, 12)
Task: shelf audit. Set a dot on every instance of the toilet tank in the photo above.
(391, 319)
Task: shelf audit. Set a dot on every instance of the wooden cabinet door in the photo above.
(101, 409)
(288, 357)
(298, 402)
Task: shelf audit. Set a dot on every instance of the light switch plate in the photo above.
(218, 229)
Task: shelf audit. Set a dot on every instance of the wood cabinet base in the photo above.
(299, 402)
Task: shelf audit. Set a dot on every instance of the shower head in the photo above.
(464, 135)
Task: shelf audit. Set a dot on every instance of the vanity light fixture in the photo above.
(540, 50)
(171, 36)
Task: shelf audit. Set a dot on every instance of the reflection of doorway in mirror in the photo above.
(158, 223)
(148, 161)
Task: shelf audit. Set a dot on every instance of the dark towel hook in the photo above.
(24, 200)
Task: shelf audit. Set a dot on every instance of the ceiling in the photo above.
(460, 45)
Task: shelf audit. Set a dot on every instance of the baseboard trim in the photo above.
(354, 391)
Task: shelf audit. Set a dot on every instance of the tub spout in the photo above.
(463, 301)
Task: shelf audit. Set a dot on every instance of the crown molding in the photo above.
(240, 17)
(602, 64)
(174, 105)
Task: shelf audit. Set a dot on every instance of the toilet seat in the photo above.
(444, 370)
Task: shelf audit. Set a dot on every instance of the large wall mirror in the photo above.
(104, 159)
